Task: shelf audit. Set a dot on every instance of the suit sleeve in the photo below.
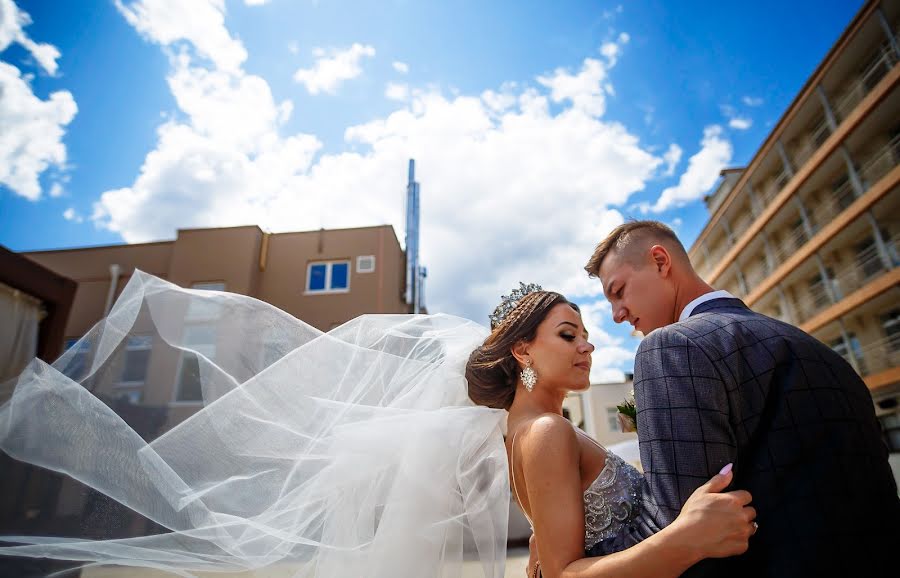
(684, 423)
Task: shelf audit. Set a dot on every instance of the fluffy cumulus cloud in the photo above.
(740, 123)
(397, 91)
(702, 172)
(333, 67)
(198, 23)
(672, 158)
(512, 188)
(31, 139)
(400, 67)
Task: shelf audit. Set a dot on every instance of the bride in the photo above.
(356, 452)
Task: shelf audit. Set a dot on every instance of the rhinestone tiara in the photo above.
(510, 302)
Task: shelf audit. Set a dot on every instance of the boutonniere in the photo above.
(628, 414)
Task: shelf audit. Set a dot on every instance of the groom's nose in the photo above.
(620, 315)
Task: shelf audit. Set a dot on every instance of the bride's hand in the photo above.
(714, 524)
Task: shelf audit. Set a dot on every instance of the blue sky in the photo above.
(537, 126)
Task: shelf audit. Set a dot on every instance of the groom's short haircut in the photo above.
(631, 239)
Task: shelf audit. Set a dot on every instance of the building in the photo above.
(324, 277)
(809, 231)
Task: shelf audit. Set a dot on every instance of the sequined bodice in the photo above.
(612, 500)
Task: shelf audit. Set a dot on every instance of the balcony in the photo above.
(809, 145)
(879, 356)
(867, 266)
(879, 64)
(773, 186)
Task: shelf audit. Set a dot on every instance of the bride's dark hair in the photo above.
(492, 372)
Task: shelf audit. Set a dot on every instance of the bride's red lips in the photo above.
(584, 365)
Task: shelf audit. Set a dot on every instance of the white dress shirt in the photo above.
(689, 308)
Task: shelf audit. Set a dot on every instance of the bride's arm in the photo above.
(710, 525)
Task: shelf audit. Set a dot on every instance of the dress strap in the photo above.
(512, 475)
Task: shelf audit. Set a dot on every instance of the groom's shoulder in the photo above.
(720, 331)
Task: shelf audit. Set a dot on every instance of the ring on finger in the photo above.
(755, 526)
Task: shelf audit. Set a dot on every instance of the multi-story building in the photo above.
(809, 231)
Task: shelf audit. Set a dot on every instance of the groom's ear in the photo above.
(662, 260)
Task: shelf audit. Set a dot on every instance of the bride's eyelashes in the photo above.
(567, 336)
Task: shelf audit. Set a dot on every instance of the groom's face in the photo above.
(637, 291)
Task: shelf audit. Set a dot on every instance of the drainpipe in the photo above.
(114, 272)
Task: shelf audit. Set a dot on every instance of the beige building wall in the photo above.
(809, 231)
(270, 267)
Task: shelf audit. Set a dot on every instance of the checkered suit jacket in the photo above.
(731, 385)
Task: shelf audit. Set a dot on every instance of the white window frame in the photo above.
(194, 315)
(129, 347)
(177, 389)
(328, 266)
(360, 259)
(612, 419)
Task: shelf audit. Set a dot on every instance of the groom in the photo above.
(716, 383)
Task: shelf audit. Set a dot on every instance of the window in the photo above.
(840, 347)
(202, 309)
(78, 363)
(868, 259)
(132, 395)
(135, 359)
(612, 419)
(891, 325)
(365, 263)
(202, 339)
(328, 277)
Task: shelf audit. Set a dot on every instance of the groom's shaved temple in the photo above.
(630, 243)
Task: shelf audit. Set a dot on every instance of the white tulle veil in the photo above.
(354, 452)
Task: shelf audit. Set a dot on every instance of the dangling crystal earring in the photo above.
(529, 377)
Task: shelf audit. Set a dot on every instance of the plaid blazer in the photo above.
(731, 385)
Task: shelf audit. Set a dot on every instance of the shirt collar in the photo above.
(689, 308)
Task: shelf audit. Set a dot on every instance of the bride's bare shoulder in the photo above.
(542, 433)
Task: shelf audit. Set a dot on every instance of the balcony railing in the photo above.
(832, 205)
(880, 163)
(773, 187)
(867, 266)
(816, 137)
(740, 226)
(876, 357)
(879, 65)
(795, 238)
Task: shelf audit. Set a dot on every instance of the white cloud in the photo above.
(740, 123)
(400, 67)
(294, 47)
(199, 23)
(256, 2)
(702, 172)
(56, 190)
(397, 91)
(672, 158)
(532, 190)
(752, 101)
(72, 215)
(586, 90)
(12, 24)
(332, 67)
(33, 129)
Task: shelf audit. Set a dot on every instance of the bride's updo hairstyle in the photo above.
(492, 372)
